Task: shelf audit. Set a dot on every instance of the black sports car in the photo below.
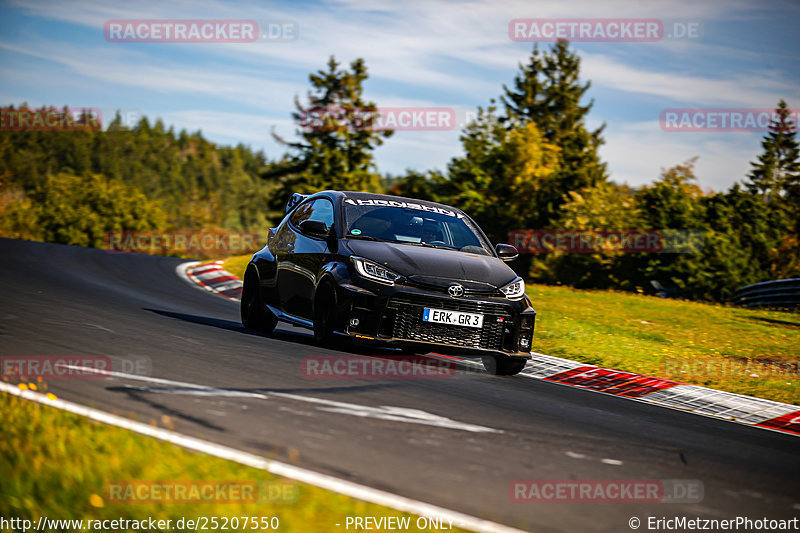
(418, 275)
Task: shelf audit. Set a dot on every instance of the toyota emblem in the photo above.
(455, 290)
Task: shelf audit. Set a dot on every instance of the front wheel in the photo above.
(254, 315)
(503, 366)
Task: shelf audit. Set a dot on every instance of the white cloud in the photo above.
(131, 69)
(636, 154)
(751, 89)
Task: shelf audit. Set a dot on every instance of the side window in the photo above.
(320, 209)
(301, 213)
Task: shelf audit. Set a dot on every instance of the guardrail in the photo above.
(781, 293)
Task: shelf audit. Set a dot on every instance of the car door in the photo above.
(300, 260)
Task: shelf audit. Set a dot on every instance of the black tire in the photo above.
(503, 366)
(254, 315)
(324, 313)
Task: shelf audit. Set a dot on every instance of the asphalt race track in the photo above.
(59, 300)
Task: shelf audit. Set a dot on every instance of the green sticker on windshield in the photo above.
(355, 231)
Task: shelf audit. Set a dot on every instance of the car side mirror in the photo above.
(506, 252)
(315, 228)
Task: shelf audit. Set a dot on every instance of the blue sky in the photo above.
(427, 53)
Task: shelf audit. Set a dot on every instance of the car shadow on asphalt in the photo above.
(342, 344)
(141, 396)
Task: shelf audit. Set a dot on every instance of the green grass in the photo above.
(59, 465)
(236, 265)
(728, 348)
(722, 347)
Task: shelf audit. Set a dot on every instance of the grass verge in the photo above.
(64, 466)
(236, 265)
(746, 351)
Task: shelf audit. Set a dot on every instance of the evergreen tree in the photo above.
(548, 93)
(337, 135)
(777, 172)
(775, 178)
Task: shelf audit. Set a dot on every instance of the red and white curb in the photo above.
(212, 277)
(666, 393)
(728, 406)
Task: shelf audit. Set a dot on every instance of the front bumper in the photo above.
(393, 314)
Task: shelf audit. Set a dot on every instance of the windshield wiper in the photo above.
(366, 238)
(429, 245)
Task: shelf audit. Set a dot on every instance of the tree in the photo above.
(199, 185)
(742, 245)
(80, 211)
(504, 177)
(777, 172)
(775, 178)
(336, 127)
(674, 205)
(672, 202)
(605, 206)
(548, 93)
(424, 186)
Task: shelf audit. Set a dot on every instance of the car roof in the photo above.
(376, 196)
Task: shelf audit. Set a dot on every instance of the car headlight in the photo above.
(514, 290)
(374, 271)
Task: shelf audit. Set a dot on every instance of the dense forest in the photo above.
(529, 162)
(74, 186)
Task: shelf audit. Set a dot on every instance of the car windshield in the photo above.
(412, 223)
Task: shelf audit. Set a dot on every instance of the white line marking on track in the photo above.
(385, 412)
(348, 488)
(187, 339)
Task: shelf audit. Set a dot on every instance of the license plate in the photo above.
(454, 318)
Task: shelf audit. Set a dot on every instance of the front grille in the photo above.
(452, 304)
(470, 288)
(408, 322)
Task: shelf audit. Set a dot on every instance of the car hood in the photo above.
(435, 266)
